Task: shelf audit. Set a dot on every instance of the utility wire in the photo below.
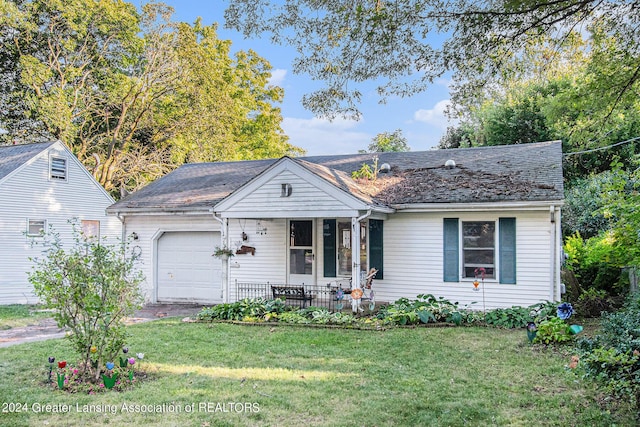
(602, 148)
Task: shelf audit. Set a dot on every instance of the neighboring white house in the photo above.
(43, 185)
(429, 222)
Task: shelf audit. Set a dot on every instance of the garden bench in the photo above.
(291, 293)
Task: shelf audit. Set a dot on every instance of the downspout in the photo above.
(355, 256)
(225, 261)
(553, 294)
(123, 232)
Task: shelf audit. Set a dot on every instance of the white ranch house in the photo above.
(43, 185)
(428, 223)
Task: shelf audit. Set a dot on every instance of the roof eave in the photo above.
(478, 206)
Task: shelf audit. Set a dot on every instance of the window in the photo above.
(90, 229)
(338, 252)
(35, 227)
(470, 245)
(478, 248)
(58, 168)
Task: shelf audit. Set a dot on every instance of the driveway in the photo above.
(47, 328)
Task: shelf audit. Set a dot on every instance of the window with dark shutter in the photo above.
(376, 254)
(451, 242)
(507, 230)
(329, 245)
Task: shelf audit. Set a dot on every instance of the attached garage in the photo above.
(186, 271)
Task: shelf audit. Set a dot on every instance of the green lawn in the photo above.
(295, 376)
(16, 315)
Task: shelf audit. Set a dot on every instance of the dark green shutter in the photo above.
(376, 239)
(329, 247)
(507, 250)
(451, 242)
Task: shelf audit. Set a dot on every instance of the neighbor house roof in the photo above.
(14, 156)
(524, 172)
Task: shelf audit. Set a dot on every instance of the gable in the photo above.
(288, 189)
(32, 164)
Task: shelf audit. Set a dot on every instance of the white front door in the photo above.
(302, 260)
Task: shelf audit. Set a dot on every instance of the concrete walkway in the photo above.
(47, 328)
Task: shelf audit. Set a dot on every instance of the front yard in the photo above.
(235, 375)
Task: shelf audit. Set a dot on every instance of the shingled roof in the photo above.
(525, 172)
(14, 156)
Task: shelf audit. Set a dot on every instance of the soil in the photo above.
(47, 328)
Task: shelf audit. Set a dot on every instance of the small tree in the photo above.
(92, 288)
(389, 141)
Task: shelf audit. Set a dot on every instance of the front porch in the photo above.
(334, 296)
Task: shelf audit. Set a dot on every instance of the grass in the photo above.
(18, 315)
(292, 376)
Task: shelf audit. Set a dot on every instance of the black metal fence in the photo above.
(334, 296)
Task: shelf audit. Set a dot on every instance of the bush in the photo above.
(255, 309)
(612, 358)
(92, 288)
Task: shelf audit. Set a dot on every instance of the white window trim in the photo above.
(496, 250)
(66, 168)
(44, 227)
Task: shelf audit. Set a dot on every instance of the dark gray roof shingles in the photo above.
(14, 156)
(525, 172)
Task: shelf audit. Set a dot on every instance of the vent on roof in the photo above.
(385, 168)
(450, 164)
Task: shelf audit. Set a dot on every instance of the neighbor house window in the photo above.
(35, 227)
(58, 168)
(469, 246)
(90, 229)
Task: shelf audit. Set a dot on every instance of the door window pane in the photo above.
(301, 233)
(301, 261)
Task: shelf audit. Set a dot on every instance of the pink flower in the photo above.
(101, 385)
(75, 371)
(132, 361)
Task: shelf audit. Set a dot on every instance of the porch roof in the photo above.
(525, 172)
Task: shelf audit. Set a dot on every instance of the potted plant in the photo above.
(222, 252)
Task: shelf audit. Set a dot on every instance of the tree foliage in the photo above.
(389, 141)
(404, 45)
(133, 95)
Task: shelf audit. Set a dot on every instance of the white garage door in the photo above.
(186, 270)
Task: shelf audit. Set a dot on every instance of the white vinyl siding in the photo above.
(149, 229)
(269, 238)
(413, 260)
(305, 200)
(29, 194)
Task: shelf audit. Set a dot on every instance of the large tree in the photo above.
(133, 95)
(405, 44)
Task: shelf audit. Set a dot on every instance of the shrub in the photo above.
(612, 358)
(92, 288)
(553, 330)
(254, 309)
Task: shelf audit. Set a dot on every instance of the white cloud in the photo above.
(324, 137)
(277, 77)
(435, 116)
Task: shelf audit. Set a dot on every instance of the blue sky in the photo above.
(421, 117)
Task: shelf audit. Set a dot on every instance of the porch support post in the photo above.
(355, 258)
(224, 226)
